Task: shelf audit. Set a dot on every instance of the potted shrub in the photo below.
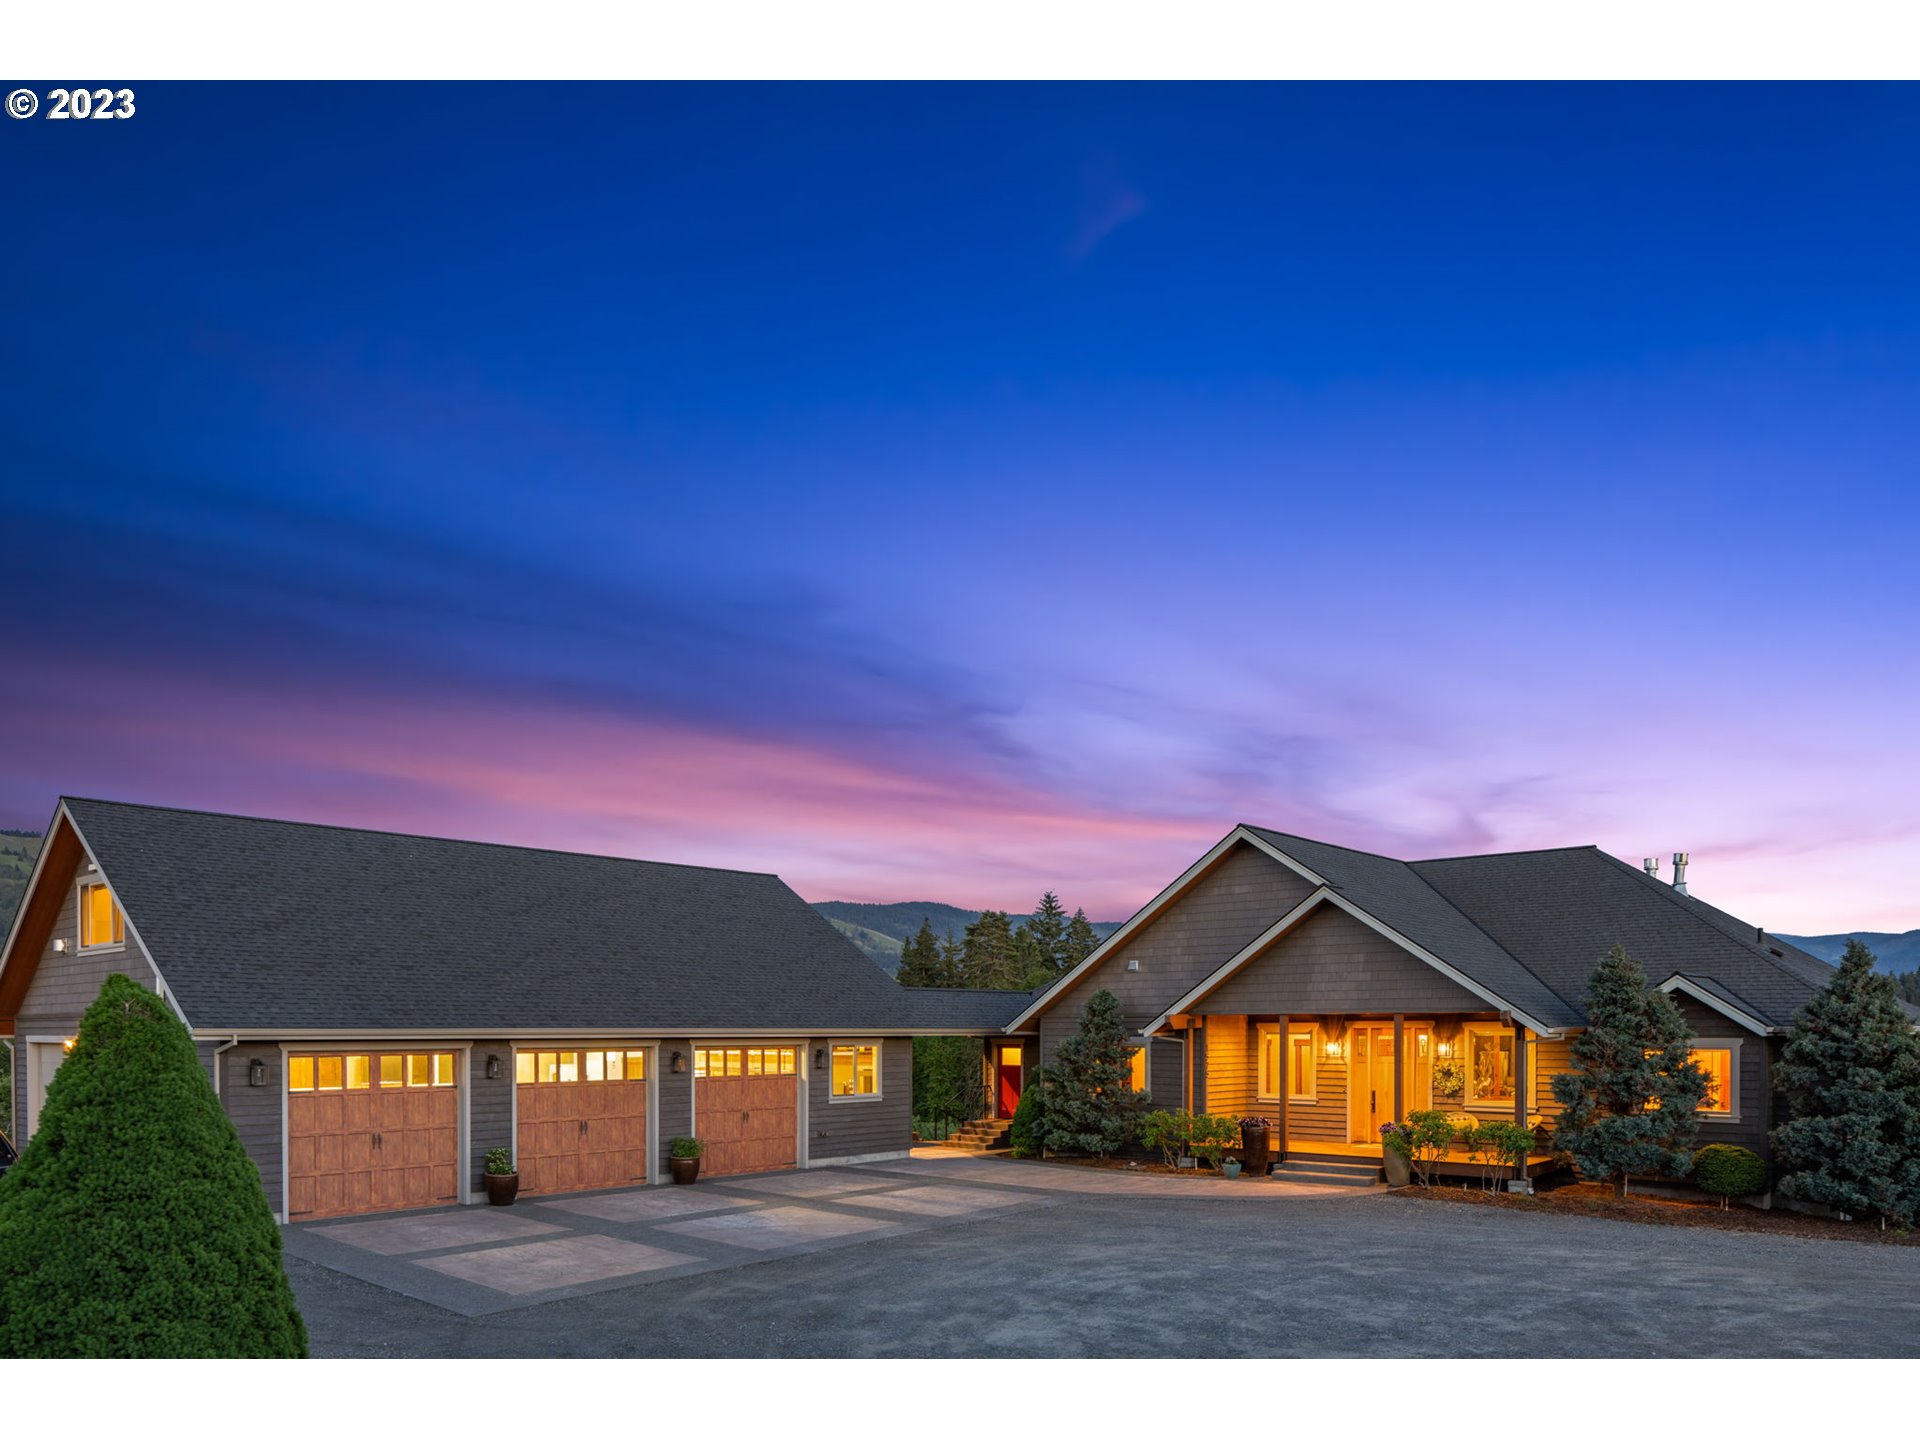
(1421, 1141)
(1230, 1167)
(683, 1158)
(1256, 1140)
(1396, 1153)
(503, 1180)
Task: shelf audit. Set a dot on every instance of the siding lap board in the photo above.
(1331, 963)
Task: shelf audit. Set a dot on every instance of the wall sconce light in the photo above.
(820, 1058)
(1333, 1049)
(66, 1046)
(1445, 1048)
(678, 1064)
(59, 947)
(493, 1067)
(256, 1072)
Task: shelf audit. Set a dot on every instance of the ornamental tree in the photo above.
(1850, 1071)
(133, 1224)
(1090, 1102)
(1631, 1100)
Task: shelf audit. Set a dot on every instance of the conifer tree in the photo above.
(134, 1224)
(1080, 941)
(1047, 928)
(990, 959)
(1850, 1072)
(1632, 1099)
(953, 963)
(920, 959)
(1089, 1104)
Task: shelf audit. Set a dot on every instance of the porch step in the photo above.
(978, 1135)
(1330, 1170)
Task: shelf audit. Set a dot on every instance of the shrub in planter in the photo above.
(1024, 1135)
(1729, 1170)
(683, 1158)
(134, 1225)
(503, 1179)
(1421, 1141)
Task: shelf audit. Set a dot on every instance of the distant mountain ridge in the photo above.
(1896, 953)
(880, 930)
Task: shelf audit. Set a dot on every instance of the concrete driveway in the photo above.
(993, 1258)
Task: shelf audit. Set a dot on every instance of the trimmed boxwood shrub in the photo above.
(1725, 1170)
(133, 1224)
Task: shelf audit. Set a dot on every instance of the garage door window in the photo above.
(570, 1067)
(856, 1072)
(721, 1063)
(324, 1073)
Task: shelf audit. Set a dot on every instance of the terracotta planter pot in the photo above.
(684, 1168)
(501, 1189)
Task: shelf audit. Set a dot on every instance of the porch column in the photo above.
(1186, 1060)
(1519, 1088)
(1399, 1069)
(1285, 1087)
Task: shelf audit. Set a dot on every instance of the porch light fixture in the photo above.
(1333, 1049)
(820, 1058)
(66, 1046)
(678, 1064)
(256, 1072)
(493, 1067)
(1446, 1047)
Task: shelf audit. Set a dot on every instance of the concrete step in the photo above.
(1330, 1170)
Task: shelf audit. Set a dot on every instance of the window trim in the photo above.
(1312, 1072)
(1468, 1101)
(83, 883)
(877, 1045)
(1731, 1044)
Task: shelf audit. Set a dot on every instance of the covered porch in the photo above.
(1328, 1083)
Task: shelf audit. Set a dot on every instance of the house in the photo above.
(1334, 991)
(377, 1011)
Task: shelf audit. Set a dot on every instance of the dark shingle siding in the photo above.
(260, 924)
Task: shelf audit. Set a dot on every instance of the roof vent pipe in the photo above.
(1680, 858)
(1650, 865)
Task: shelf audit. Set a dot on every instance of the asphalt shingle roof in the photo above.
(264, 924)
(1530, 926)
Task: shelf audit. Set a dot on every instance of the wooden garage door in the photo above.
(368, 1131)
(582, 1119)
(746, 1107)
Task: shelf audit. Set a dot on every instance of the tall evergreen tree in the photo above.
(1632, 1099)
(134, 1224)
(1079, 942)
(990, 958)
(1850, 1071)
(1089, 1103)
(953, 962)
(1047, 927)
(920, 963)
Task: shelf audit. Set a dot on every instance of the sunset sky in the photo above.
(954, 492)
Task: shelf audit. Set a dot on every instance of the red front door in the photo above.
(1009, 1068)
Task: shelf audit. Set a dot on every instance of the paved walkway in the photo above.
(477, 1260)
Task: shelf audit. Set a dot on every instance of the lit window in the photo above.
(359, 1073)
(636, 1064)
(391, 1076)
(1300, 1065)
(1718, 1063)
(856, 1070)
(100, 920)
(419, 1070)
(549, 1067)
(523, 1063)
(329, 1068)
(756, 1061)
(596, 1065)
(443, 1068)
(1137, 1068)
(700, 1064)
(569, 1067)
(300, 1072)
(736, 1063)
(1489, 1066)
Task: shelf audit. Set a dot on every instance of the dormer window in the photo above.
(101, 923)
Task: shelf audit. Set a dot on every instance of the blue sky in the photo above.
(947, 491)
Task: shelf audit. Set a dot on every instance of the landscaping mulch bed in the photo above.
(1601, 1203)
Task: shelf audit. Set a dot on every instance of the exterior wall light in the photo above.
(1333, 1049)
(1445, 1048)
(66, 1046)
(256, 1072)
(493, 1067)
(678, 1064)
(820, 1057)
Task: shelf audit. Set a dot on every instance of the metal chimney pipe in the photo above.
(1651, 865)
(1680, 858)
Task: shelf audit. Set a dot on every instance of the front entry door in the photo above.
(1010, 1073)
(1370, 1082)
